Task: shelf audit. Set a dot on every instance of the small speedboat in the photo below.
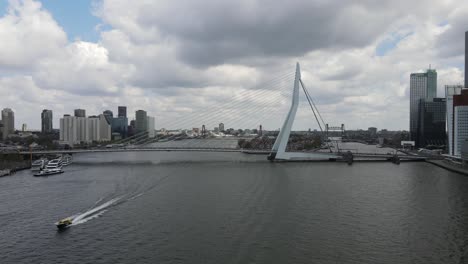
(47, 172)
(64, 223)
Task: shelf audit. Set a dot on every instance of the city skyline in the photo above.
(350, 75)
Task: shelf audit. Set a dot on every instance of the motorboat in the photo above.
(66, 160)
(64, 223)
(39, 164)
(47, 172)
(53, 167)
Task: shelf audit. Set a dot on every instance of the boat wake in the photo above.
(93, 212)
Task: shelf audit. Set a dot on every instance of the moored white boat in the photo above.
(39, 164)
(54, 165)
(66, 160)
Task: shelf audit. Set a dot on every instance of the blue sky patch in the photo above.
(390, 43)
(75, 17)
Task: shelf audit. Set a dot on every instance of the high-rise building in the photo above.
(460, 121)
(75, 130)
(93, 129)
(120, 125)
(150, 124)
(450, 91)
(466, 59)
(82, 130)
(80, 113)
(221, 127)
(68, 130)
(8, 120)
(422, 86)
(431, 127)
(46, 121)
(122, 111)
(105, 131)
(141, 121)
(109, 115)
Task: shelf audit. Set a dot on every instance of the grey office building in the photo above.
(80, 113)
(431, 127)
(422, 86)
(122, 111)
(141, 121)
(46, 121)
(120, 125)
(8, 120)
(109, 115)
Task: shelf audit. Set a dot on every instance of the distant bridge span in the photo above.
(339, 156)
(75, 151)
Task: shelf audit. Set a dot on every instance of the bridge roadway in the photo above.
(248, 151)
(108, 150)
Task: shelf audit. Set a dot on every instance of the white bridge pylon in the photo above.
(278, 152)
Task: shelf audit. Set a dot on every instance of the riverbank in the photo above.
(11, 163)
(449, 166)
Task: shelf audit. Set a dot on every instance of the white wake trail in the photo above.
(93, 213)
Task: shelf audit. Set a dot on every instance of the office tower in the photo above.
(460, 121)
(431, 127)
(8, 120)
(46, 121)
(68, 130)
(122, 111)
(141, 121)
(109, 115)
(76, 130)
(466, 59)
(120, 125)
(422, 86)
(150, 124)
(80, 113)
(105, 131)
(82, 130)
(221, 127)
(450, 91)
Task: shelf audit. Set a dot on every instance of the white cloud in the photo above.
(173, 58)
(28, 33)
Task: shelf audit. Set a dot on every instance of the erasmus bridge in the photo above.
(267, 100)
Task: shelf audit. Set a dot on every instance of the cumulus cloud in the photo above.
(174, 58)
(28, 33)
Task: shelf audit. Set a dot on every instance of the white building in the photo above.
(82, 131)
(460, 127)
(150, 123)
(68, 130)
(74, 130)
(450, 91)
(93, 128)
(105, 133)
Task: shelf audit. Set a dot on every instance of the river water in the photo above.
(177, 207)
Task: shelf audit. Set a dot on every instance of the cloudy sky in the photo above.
(179, 58)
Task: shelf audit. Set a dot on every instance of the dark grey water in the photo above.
(229, 208)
